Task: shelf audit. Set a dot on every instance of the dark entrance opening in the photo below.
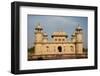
(59, 48)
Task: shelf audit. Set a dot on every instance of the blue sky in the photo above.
(52, 23)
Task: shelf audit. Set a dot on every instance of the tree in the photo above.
(85, 50)
(31, 50)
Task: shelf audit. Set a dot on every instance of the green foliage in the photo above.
(85, 50)
(31, 50)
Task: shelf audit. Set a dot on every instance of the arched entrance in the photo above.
(59, 48)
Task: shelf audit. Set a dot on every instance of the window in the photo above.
(55, 39)
(72, 49)
(59, 48)
(59, 39)
(47, 46)
(63, 39)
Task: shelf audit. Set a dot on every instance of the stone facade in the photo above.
(59, 43)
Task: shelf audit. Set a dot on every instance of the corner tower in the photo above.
(38, 39)
(79, 40)
(38, 33)
(45, 37)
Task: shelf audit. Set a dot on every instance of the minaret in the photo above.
(45, 37)
(79, 40)
(38, 33)
(38, 39)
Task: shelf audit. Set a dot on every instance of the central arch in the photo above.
(59, 48)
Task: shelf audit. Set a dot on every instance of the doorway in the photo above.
(59, 48)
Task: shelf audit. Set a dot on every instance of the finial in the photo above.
(38, 26)
(78, 27)
(39, 23)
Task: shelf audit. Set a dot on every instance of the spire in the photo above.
(78, 27)
(38, 27)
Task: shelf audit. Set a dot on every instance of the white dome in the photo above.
(79, 27)
(38, 26)
(45, 34)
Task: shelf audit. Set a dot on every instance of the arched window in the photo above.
(55, 39)
(59, 39)
(63, 39)
(59, 48)
(47, 47)
(72, 48)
